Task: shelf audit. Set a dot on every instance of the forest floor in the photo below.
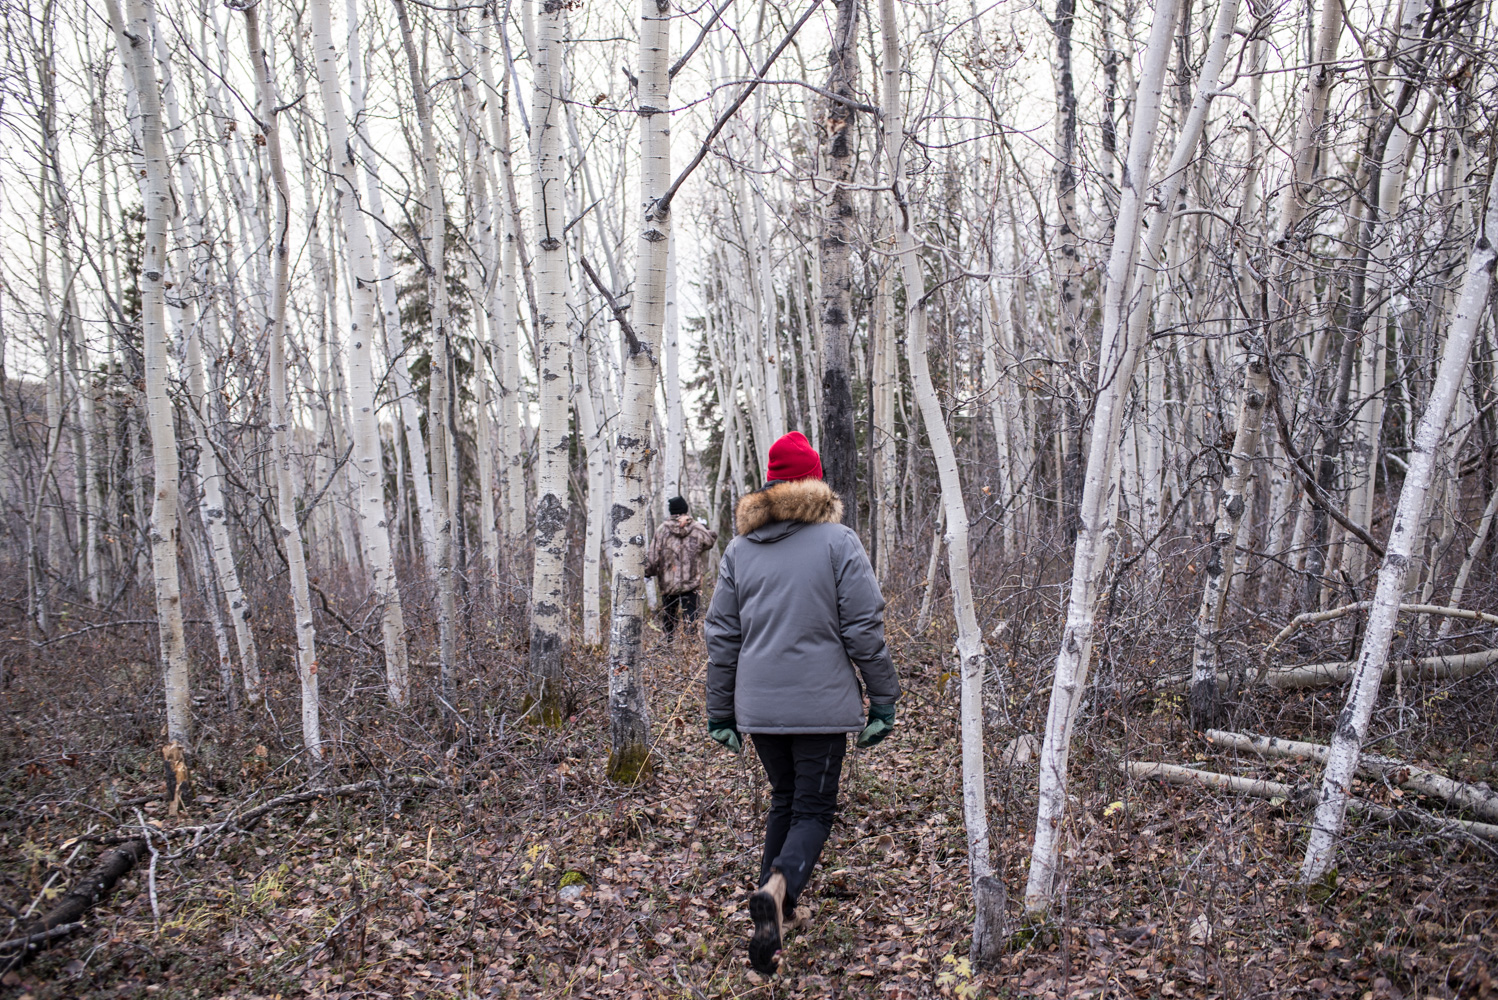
(455, 892)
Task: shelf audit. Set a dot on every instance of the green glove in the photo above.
(726, 732)
(881, 724)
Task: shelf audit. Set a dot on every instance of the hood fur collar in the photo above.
(810, 501)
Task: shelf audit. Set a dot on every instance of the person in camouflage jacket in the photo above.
(675, 560)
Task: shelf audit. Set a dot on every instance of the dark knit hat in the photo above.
(677, 506)
(793, 457)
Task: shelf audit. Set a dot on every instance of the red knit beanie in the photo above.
(793, 457)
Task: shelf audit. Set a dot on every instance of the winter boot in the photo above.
(767, 908)
(799, 920)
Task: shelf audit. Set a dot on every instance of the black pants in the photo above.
(683, 606)
(804, 770)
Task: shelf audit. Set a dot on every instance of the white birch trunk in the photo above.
(1404, 540)
(548, 611)
(671, 379)
(374, 529)
(157, 197)
(987, 890)
(210, 508)
(1205, 703)
(280, 401)
(208, 584)
(1119, 357)
(441, 423)
(1459, 588)
(1368, 418)
(395, 344)
(506, 335)
(589, 427)
(882, 379)
(485, 239)
(629, 707)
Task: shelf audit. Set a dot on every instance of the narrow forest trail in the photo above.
(458, 893)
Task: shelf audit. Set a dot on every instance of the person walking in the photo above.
(675, 559)
(796, 620)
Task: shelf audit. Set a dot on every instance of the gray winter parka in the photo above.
(797, 618)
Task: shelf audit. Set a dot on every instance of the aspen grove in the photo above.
(350, 353)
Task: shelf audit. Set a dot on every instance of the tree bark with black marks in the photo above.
(549, 629)
(1070, 266)
(835, 249)
(629, 710)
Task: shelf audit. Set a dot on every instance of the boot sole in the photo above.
(766, 940)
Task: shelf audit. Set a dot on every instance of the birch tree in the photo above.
(1405, 539)
(160, 413)
(374, 531)
(629, 718)
(988, 891)
(838, 445)
(548, 118)
(443, 386)
(280, 398)
(1094, 535)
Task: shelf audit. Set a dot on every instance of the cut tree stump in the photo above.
(990, 923)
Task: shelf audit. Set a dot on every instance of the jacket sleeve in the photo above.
(706, 537)
(652, 565)
(724, 637)
(860, 607)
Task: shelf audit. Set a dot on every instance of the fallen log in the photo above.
(67, 916)
(1301, 796)
(1313, 617)
(1474, 798)
(1436, 668)
(1174, 774)
(77, 901)
(32, 940)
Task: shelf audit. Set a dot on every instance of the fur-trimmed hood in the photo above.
(807, 501)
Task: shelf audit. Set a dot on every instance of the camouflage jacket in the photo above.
(675, 556)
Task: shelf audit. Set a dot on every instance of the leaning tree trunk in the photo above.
(988, 891)
(1172, 198)
(1120, 354)
(1405, 539)
(157, 196)
(839, 444)
(548, 610)
(629, 716)
(280, 400)
(374, 531)
(1479, 537)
